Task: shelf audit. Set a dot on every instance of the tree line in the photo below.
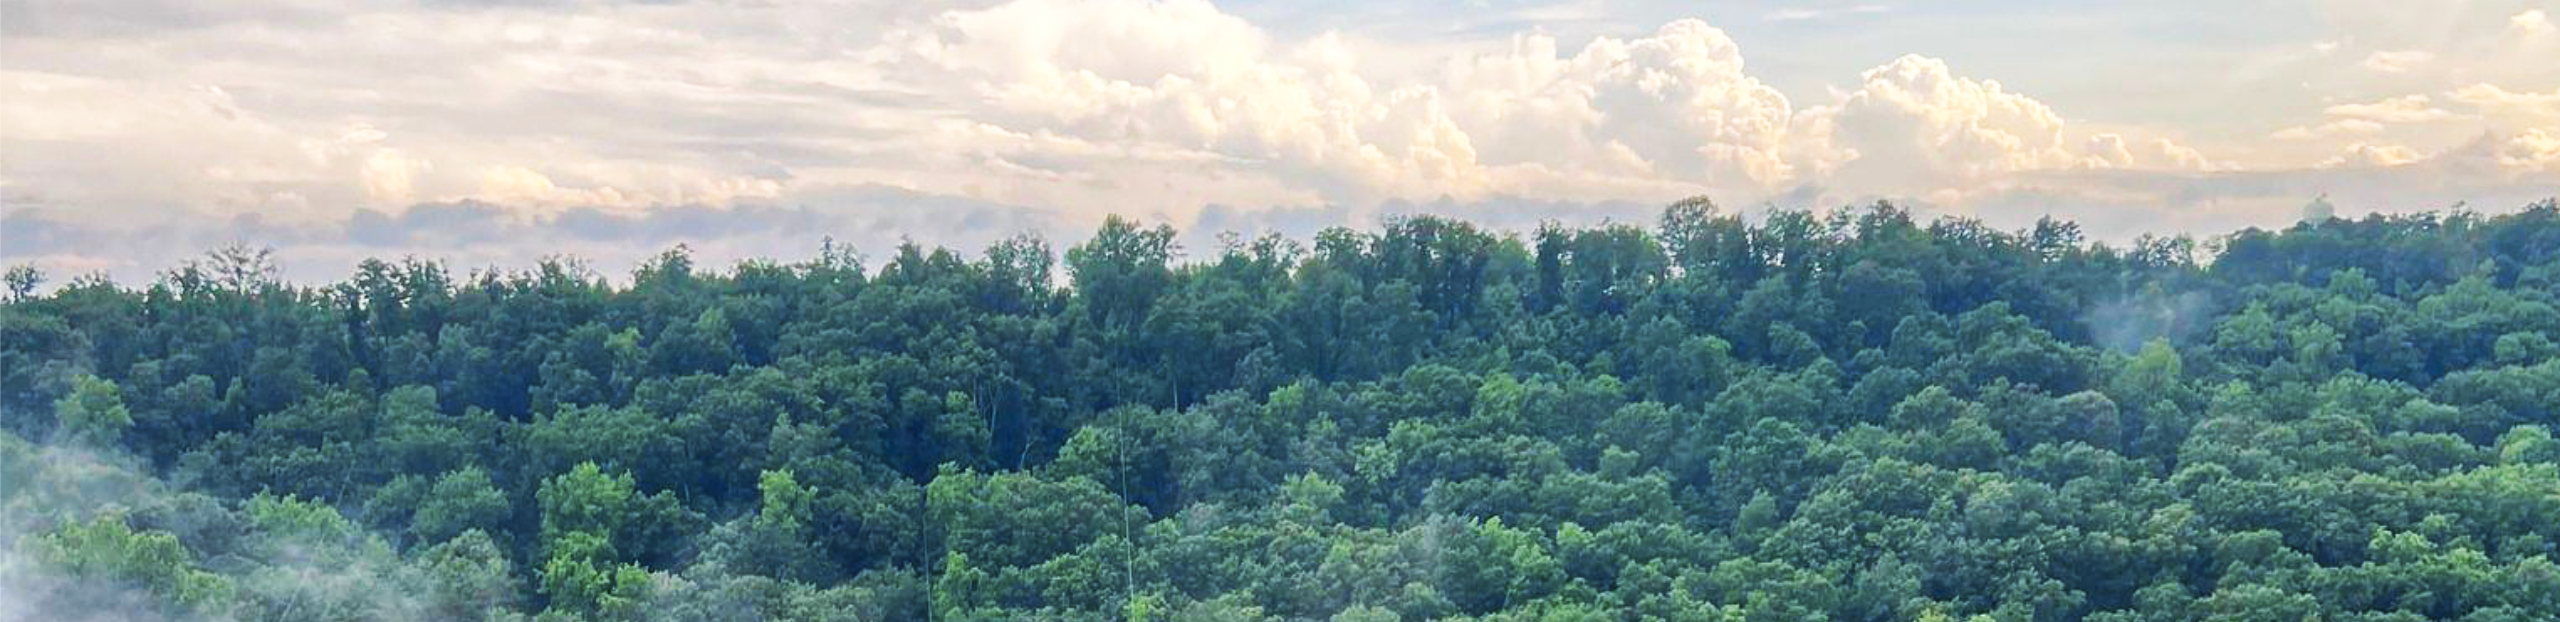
(1853, 415)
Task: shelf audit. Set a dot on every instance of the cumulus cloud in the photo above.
(1652, 118)
(2530, 23)
(1185, 77)
(2521, 160)
(2368, 155)
(2531, 152)
(2110, 150)
(1676, 106)
(613, 125)
(1914, 124)
(1915, 127)
(2528, 106)
(1077, 105)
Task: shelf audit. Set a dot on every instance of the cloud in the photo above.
(476, 234)
(2524, 159)
(1082, 106)
(2531, 152)
(2339, 127)
(2530, 23)
(2361, 155)
(2110, 150)
(2490, 99)
(1185, 78)
(1655, 117)
(2359, 119)
(1913, 126)
(77, 18)
(2397, 61)
(2404, 109)
(497, 125)
(1807, 14)
(2481, 175)
(1677, 106)
(871, 220)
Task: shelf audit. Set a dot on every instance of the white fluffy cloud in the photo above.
(2531, 23)
(2531, 152)
(1914, 126)
(2525, 108)
(1079, 105)
(1674, 107)
(301, 112)
(1183, 76)
(2362, 155)
(1653, 117)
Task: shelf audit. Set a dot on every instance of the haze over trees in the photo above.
(1856, 416)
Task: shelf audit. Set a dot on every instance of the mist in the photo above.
(321, 569)
(2125, 324)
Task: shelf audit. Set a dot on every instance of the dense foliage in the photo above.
(1848, 417)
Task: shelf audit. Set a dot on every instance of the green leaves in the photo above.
(607, 518)
(461, 501)
(1852, 415)
(93, 413)
(106, 549)
(582, 578)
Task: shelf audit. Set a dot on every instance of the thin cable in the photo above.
(1128, 559)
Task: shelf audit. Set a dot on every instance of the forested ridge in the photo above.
(1855, 416)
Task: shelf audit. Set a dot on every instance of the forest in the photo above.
(1846, 415)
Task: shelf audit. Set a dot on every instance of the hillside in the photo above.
(1856, 416)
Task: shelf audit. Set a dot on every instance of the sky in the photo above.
(137, 134)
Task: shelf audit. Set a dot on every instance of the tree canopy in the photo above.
(1854, 415)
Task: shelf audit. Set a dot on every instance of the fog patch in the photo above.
(2125, 324)
(304, 568)
(45, 486)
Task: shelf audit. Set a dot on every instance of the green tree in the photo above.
(468, 578)
(93, 413)
(616, 522)
(105, 548)
(460, 502)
